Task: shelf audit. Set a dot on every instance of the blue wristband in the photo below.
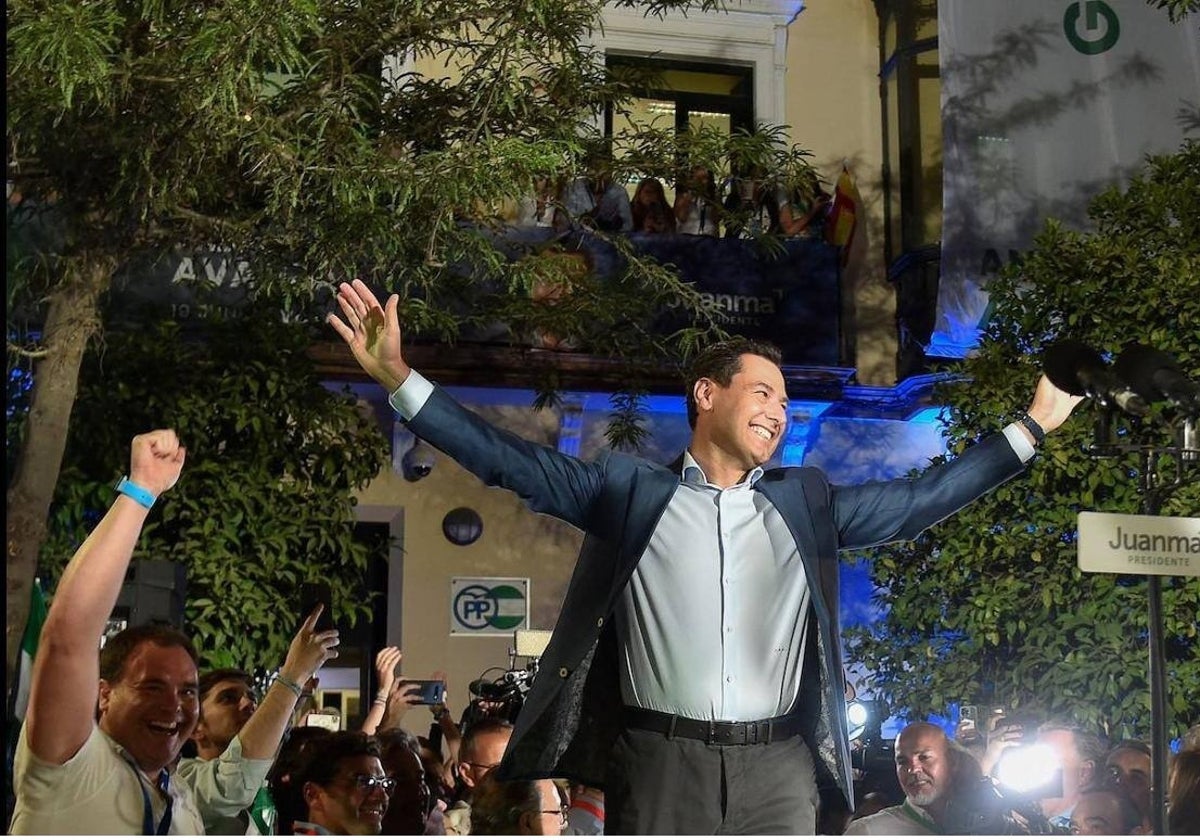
(136, 492)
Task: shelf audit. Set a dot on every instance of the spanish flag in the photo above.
(843, 215)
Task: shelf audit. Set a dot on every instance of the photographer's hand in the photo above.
(451, 734)
(309, 650)
(1002, 736)
(403, 696)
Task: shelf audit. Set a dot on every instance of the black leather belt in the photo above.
(718, 732)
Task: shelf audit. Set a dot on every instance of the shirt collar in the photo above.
(921, 816)
(160, 780)
(693, 473)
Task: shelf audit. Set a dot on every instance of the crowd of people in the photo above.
(680, 741)
(134, 739)
(741, 207)
(1012, 777)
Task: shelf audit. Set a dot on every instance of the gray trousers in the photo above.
(658, 785)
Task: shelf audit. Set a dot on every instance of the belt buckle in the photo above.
(712, 732)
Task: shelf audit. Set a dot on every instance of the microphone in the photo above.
(1078, 369)
(1156, 375)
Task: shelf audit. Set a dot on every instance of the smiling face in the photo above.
(344, 806)
(152, 708)
(922, 765)
(739, 426)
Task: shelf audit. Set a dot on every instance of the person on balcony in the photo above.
(697, 210)
(597, 201)
(651, 212)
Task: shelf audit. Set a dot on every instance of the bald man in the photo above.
(928, 766)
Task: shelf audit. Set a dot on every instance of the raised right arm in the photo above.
(372, 332)
(66, 672)
(549, 481)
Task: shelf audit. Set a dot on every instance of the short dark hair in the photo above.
(497, 806)
(1132, 745)
(119, 648)
(396, 736)
(211, 678)
(1131, 817)
(720, 362)
(324, 755)
(283, 779)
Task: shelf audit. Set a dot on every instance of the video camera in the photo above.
(987, 807)
(503, 696)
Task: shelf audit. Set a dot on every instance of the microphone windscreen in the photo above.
(1137, 366)
(1063, 360)
(487, 690)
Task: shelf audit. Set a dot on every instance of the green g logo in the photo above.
(1092, 44)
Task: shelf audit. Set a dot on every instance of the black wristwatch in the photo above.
(1035, 428)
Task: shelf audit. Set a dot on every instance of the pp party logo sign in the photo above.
(488, 606)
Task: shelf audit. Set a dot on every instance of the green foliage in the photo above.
(1177, 10)
(284, 131)
(990, 605)
(266, 498)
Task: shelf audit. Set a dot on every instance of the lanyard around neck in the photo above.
(164, 825)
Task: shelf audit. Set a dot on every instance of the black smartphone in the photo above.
(432, 691)
(312, 594)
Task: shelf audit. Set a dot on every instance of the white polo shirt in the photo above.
(96, 791)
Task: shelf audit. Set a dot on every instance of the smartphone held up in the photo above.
(312, 594)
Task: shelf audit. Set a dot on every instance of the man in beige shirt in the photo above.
(73, 775)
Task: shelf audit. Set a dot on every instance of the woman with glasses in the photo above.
(518, 807)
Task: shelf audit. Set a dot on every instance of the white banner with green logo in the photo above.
(488, 606)
(1045, 103)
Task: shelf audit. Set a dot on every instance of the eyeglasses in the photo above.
(367, 784)
(562, 812)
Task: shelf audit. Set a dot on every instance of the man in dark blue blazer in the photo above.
(695, 670)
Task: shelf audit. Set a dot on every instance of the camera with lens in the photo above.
(501, 697)
(504, 695)
(987, 807)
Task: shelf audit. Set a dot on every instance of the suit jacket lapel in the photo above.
(785, 490)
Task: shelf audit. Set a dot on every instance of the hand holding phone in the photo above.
(312, 594)
(426, 693)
